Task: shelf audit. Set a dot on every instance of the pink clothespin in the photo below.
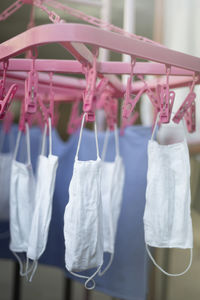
(75, 118)
(130, 103)
(31, 88)
(6, 99)
(187, 109)
(89, 93)
(166, 100)
(110, 106)
(47, 109)
(24, 118)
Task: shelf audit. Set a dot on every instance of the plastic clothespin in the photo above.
(31, 88)
(24, 118)
(89, 93)
(110, 105)
(166, 100)
(48, 110)
(130, 103)
(187, 109)
(6, 99)
(75, 118)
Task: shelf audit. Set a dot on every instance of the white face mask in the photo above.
(22, 187)
(83, 228)
(45, 183)
(5, 170)
(112, 184)
(167, 220)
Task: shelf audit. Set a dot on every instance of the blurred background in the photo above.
(174, 23)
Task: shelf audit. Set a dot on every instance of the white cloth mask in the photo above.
(167, 220)
(112, 184)
(83, 227)
(22, 188)
(45, 183)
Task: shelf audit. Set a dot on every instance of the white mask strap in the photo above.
(105, 145)
(44, 134)
(17, 145)
(155, 126)
(28, 144)
(50, 136)
(116, 140)
(80, 137)
(166, 273)
(33, 268)
(101, 273)
(88, 278)
(21, 272)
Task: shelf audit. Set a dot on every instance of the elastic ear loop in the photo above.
(80, 137)
(50, 136)
(89, 278)
(44, 134)
(166, 273)
(101, 273)
(32, 269)
(105, 145)
(28, 144)
(21, 272)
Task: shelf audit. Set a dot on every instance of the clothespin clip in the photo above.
(24, 118)
(110, 106)
(130, 103)
(6, 99)
(166, 100)
(187, 109)
(48, 110)
(89, 93)
(75, 118)
(31, 88)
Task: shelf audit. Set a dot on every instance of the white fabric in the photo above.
(112, 184)
(83, 227)
(46, 175)
(22, 188)
(167, 219)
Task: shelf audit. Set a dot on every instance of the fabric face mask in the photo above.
(167, 220)
(83, 228)
(112, 184)
(22, 187)
(45, 183)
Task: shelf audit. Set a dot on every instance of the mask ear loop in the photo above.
(166, 273)
(44, 134)
(80, 138)
(105, 144)
(89, 278)
(50, 136)
(28, 144)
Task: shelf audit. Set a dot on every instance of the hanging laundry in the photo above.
(45, 182)
(22, 189)
(112, 183)
(167, 219)
(83, 225)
